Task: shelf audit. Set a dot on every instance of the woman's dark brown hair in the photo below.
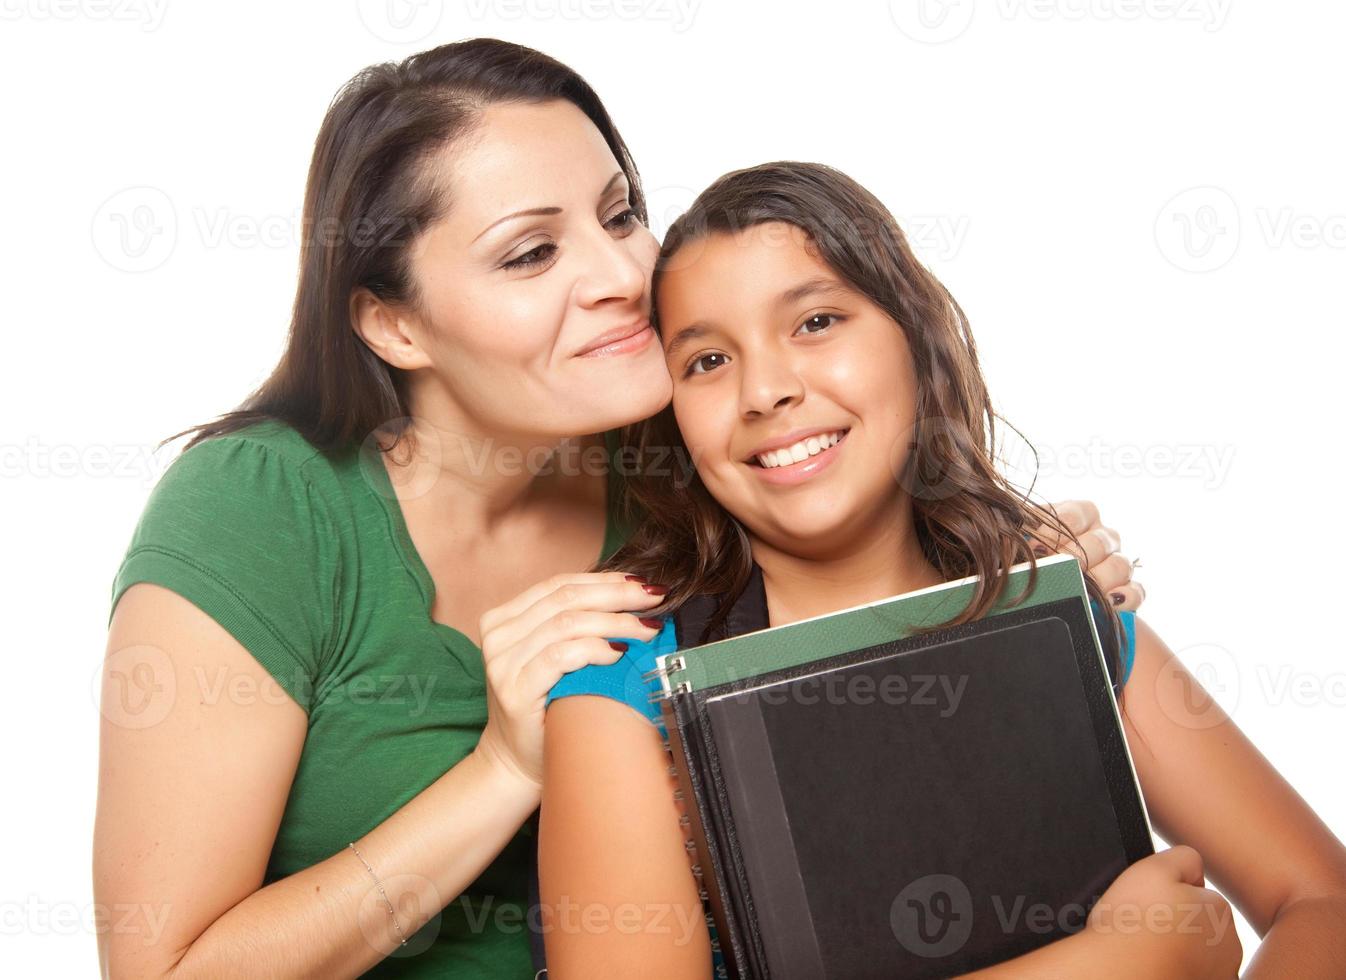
(371, 191)
(969, 519)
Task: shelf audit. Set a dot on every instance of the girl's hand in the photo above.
(1159, 920)
(528, 643)
(1110, 568)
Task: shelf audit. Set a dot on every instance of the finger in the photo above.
(507, 610)
(1132, 595)
(1184, 863)
(1078, 515)
(1111, 571)
(575, 624)
(607, 595)
(540, 674)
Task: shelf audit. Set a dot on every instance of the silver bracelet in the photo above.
(379, 885)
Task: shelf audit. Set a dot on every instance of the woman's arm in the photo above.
(615, 879)
(189, 805)
(188, 808)
(1207, 786)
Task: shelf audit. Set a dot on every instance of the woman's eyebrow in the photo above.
(533, 212)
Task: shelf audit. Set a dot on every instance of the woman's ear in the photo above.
(387, 332)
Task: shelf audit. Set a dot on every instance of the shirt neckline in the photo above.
(380, 485)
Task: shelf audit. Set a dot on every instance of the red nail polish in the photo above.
(651, 622)
(636, 578)
(655, 589)
(1117, 598)
(617, 645)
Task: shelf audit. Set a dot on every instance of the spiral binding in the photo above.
(675, 663)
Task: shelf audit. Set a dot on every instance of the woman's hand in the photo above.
(547, 631)
(1101, 555)
(1159, 920)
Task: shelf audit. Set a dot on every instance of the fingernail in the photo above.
(1117, 598)
(655, 589)
(636, 578)
(651, 622)
(1040, 550)
(617, 645)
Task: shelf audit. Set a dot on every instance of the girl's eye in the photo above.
(534, 256)
(623, 220)
(820, 320)
(699, 363)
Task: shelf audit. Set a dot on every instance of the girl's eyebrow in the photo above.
(809, 287)
(685, 336)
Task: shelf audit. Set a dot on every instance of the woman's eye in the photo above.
(623, 220)
(534, 256)
(698, 366)
(820, 320)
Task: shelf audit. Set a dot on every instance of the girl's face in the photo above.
(773, 359)
(534, 277)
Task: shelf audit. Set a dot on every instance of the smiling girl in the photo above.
(828, 390)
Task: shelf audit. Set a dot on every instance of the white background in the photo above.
(1139, 204)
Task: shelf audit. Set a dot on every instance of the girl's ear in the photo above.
(385, 331)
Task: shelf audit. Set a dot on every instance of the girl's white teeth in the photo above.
(801, 450)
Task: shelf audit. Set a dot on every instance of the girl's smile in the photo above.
(800, 460)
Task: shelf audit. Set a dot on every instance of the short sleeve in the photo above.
(625, 680)
(234, 527)
(1128, 620)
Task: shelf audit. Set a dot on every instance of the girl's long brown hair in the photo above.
(968, 518)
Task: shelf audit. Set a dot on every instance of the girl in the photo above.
(827, 388)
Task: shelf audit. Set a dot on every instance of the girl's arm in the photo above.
(1207, 786)
(616, 883)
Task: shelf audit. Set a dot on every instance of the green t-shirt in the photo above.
(304, 557)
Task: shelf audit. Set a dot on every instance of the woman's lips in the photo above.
(638, 340)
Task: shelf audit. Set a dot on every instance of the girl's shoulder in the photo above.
(627, 680)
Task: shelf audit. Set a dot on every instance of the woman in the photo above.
(341, 611)
(793, 314)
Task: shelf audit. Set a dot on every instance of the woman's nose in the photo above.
(769, 383)
(612, 271)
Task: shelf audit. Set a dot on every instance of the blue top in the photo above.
(625, 681)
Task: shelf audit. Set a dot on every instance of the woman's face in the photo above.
(537, 270)
(768, 348)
